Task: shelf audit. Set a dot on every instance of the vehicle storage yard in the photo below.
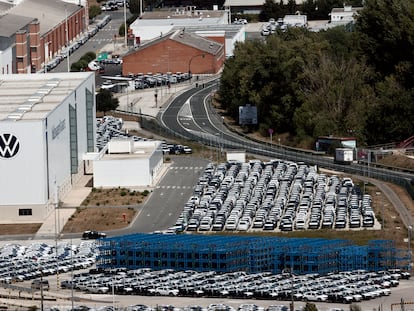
(212, 291)
(276, 195)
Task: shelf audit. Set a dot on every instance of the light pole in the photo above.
(67, 38)
(125, 24)
(409, 242)
(292, 303)
(189, 64)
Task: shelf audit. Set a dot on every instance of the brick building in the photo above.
(34, 31)
(178, 51)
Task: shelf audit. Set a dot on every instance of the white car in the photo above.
(315, 297)
(165, 291)
(187, 150)
(265, 32)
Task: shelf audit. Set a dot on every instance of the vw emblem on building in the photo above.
(9, 146)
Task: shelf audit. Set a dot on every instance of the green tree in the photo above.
(391, 115)
(269, 10)
(105, 101)
(134, 6)
(387, 37)
(121, 30)
(342, 44)
(89, 56)
(94, 11)
(266, 75)
(292, 7)
(310, 307)
(335, 96)
(80, 65)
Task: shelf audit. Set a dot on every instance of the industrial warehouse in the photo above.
(47, 125)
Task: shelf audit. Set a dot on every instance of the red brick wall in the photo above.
(21, 52)
(35, 48)
(171, 56)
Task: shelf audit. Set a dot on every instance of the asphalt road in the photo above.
(167, 200)
(102, 38)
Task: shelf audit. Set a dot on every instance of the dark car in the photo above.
(91, 235)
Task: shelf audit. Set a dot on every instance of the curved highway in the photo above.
(191, 116)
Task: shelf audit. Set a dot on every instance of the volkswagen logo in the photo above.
(9, 146)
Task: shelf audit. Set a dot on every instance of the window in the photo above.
(90, 121)
(25, 212)
(33, 49)
(73, 139)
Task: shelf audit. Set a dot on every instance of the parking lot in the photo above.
(187, 290)
(274, 196)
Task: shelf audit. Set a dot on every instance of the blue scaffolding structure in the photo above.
(240, 253)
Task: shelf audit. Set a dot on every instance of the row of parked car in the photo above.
(275, 195)
(76, 44)
(113, 5)
(19, 263)
(342, 287)
(149, 80)
(110, 127)
(210, 307)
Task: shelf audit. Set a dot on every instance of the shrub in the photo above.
(123, 193)
(145, 193)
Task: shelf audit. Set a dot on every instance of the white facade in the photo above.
(295, 20)
(47, 123)
(236, 155)
(137, 166)
(6, 61)
(344, 15)
(151, 28)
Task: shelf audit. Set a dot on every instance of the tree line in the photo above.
(332, 82)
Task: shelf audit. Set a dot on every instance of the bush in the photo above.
(89, 56)
(123, 193)
(145, 193)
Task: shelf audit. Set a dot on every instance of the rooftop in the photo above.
(138, 149)
(49, 13)
(4, 7)
(171, 18)
(41, 94)
(180, 13)
(196, 41)
(11, 23)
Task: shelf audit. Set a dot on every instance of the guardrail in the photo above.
(378, 171)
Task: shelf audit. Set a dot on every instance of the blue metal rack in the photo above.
(241, 253)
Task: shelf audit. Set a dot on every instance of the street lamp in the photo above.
(67, 38)
(409, 241)
(125, 25)
(289, 271)
(189, 64)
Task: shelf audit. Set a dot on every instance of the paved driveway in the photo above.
(168, 198)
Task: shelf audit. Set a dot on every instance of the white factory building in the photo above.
(128, 163)
(47, 125)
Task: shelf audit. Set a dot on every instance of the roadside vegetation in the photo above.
(334, 82)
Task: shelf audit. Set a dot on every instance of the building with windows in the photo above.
(47, 125)
(178, 51)
(344, 15)
(32, 32)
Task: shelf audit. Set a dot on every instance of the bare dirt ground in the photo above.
(99, 219)
(15, 229)
(106, 209)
